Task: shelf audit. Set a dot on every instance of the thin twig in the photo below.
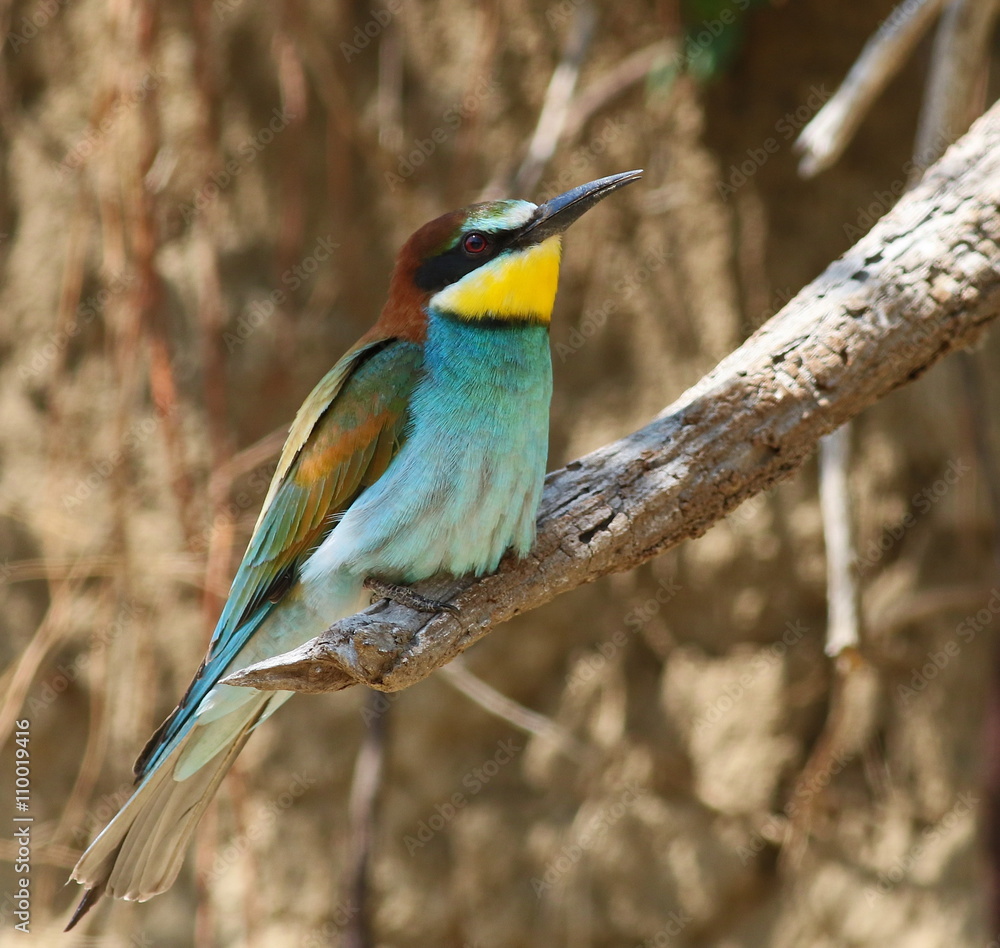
(615, 82)
(959, 59)
(849, 722)
(558, 97)
(824, 139)
(957, 74)
(555, 107)
(846, 734)
(362, 813)
(18, 677)
(183, 566)
(389, 97)
(457, 675)
(597, 95)
(835, 503)
(95, 749)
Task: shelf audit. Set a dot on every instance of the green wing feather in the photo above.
(343, 438)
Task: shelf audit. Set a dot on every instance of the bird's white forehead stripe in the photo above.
(514, 214)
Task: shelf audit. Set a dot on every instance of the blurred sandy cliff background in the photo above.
(199, 208)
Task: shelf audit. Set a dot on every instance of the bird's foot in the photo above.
(406, 596)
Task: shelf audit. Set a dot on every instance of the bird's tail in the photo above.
(140, 852)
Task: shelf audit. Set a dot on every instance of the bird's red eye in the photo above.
(475, 243)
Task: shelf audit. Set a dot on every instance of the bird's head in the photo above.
(495, 262)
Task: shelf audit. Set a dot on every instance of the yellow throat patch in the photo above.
(517, 286)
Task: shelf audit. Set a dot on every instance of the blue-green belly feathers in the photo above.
(465, 486)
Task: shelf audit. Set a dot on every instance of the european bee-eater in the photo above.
(421, 451)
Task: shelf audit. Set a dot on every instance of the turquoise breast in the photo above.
(465, 486)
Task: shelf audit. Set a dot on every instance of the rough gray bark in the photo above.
(923, 282)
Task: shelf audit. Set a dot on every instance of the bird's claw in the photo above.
(406, 597)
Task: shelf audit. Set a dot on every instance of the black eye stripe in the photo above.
(449, 267)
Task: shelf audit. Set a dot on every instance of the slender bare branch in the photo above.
(923, 282)
(619, 78)
(558, 98)
(555, 110)
(842, 628)
(823, 140)
(369, 771)
(457, 675)
(958, 65)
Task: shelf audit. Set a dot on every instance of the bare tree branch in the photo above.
(558, 99)
(923, 282)
(956, 84)
(843, 623)
(369, 771)
(457, 675)
(824, 139)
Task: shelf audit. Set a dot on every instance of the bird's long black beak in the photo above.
(554, 216)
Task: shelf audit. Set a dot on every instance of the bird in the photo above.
(422, 451)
